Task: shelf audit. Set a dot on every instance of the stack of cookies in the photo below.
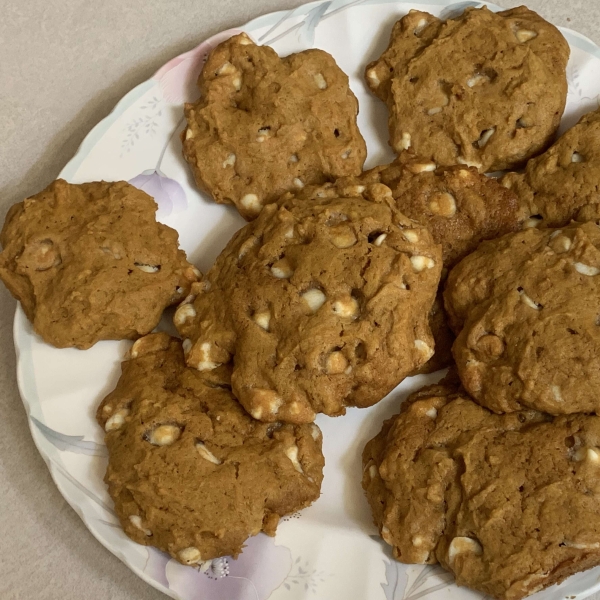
(343, 283)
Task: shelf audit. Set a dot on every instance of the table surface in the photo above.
(63, 66)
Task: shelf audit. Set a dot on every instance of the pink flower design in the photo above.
(168, 193)
(259, 570)
(177, 79)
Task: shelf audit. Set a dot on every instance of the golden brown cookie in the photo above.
(510, 503)
(266, 125)
(190, 472)
(321, 303)
(484, 89)
(89, 262)
(563, 183)
(460, 207)
(528, 305)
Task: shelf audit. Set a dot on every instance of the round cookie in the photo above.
(484, 89)
(562, 183)
(266, 125)
(190, 472)
(89, 262)
(461, 208)
(510, 503)
(322, 303)
(529, 305)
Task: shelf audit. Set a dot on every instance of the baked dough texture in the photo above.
(190, 472)
(321, 303)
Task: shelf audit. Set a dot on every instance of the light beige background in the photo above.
(63, 66)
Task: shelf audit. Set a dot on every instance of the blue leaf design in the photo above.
(168, 193)
(70, 443)
(307, 31)
(396, 580)
(455, 10)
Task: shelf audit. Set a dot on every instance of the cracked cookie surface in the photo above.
(190, 472)
(508, 503)
(266, 125)
(484, 89)
(89, 262)
(527, 306)
(321, 303)
(564, 182)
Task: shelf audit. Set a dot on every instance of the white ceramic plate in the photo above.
(332, 549)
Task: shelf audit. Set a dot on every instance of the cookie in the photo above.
(528, 305)
(190, 472)
(266, 125)
(89, 262)
(510, 503)
(321, 303)
(484, 89)
(562, 183)
(460, 207)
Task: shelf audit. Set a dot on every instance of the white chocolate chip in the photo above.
(251, 202)
(136, 521)
(421, 167)
(577, 158)
(380, 239)
(229, 161)
(477, 79)
(262, 319)
(206, 454)
(556, 393)
(410, 235)
(263, 134)
(117, 420)
(189, 134)
(205, 364)
(405, 143)
(420, 263)
(289, 234)
(190, 556)
(461, 545)
(524, 35)
(372, 77)
(257, 413)
(320, 81)
(344, 239)
(315, 298)
(244, 40)
(385, 534)
(336, 363)
(443, 205)
(237, 83)
(347, 308)
(315, 432)
(420, 26)
(593, 456)
(293, 158)
(424, 348)
(586, 269)
(533, 221)
(434, 111)
(147, 268)
(282, 269)
(373, 471)
(298, 183)
(292, 453)
(469, 163)
(580, 546)
(432, 412)
(485, 137)
(183, 313)
(560, 244)
(528, 301)
(346, 154)
(417, 541)
(226, 69)
(164, 435)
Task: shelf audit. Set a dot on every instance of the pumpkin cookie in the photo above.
(562, 183)
(321, 303)
(528, 307)
(508, 503)
(189, 470)
(266, 125)
(484, 89)
(89, 262)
